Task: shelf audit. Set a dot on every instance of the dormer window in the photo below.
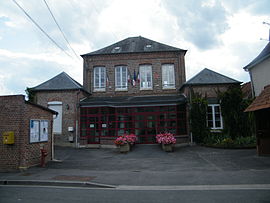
(116, 49)
(148, 46)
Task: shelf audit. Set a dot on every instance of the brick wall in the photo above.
(70, 100)
(15, 115)
(133, 61)
(210, 91)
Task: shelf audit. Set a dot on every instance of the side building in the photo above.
(134, 86)
(62, 94)
(208, 83)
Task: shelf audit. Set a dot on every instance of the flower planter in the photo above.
(167, 147)
(124, 148)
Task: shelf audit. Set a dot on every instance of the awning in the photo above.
(133, 101)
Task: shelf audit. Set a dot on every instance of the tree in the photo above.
(236, 122)
(30, 94)
(198, 117)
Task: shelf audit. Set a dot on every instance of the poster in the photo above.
(38, 130)
(43, 131)
(34, 131)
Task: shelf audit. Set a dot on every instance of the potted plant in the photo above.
(125, 142)
(167, 140)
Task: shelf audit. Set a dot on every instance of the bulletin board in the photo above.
(38, 130)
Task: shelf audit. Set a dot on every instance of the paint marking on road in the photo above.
(197, 187)
(158, 188)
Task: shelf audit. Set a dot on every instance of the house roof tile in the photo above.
(261, 102)
(207, 76)
(61, 81)
(134, 45)
(265, 53)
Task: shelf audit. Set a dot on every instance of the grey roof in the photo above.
(135, 45)
(133, 101)
(60, 82)
(209, 77)
(265, 53)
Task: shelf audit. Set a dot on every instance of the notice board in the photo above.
(38, 130)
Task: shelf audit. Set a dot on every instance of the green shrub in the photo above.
(225, 141)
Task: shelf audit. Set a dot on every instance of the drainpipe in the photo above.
(76, 119)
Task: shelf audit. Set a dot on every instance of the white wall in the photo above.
(260, 76)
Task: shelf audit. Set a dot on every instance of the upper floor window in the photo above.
(99, 78)
(121, 78)
(146, 77)
(168, 79)
(214, 118)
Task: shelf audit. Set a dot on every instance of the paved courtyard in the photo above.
(149, 165)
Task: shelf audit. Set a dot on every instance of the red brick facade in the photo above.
(70, 111)
(15, 115)
(133, 61)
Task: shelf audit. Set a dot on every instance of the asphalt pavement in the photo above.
(148, 165)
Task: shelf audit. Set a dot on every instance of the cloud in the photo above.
(200, 22)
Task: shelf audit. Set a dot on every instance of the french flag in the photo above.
(134, 78)
(138, 77)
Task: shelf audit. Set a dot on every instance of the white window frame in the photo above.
(214, 118)
(99, 87)
(144, 71)
(125, 86)
(168, 69)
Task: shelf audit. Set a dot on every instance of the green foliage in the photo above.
(236, 122)
(198, 117)
(225, 141)
(30, 94)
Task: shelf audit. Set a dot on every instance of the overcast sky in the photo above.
(220, 35)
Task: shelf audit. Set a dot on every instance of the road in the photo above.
(131, 194)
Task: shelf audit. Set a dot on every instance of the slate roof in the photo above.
(133, 101)
(261, 102)
(209, 77)
(135, 45)
(265, 53)
(60, 82)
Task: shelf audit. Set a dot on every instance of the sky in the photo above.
(221, 35)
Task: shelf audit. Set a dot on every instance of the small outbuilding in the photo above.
(25, 130)
(62, 94)
(261, 107)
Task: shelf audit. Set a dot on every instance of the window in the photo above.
(214, 118)
(168, 80)
(121, 78)
(146, 77)
(99, 78)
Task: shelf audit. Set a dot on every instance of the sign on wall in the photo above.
(38, 130)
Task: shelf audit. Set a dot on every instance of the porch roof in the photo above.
(133, 101)
(261, 102)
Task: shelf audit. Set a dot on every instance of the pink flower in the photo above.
(126, 138)
(165, 138)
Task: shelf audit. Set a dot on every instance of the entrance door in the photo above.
(57, 121)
